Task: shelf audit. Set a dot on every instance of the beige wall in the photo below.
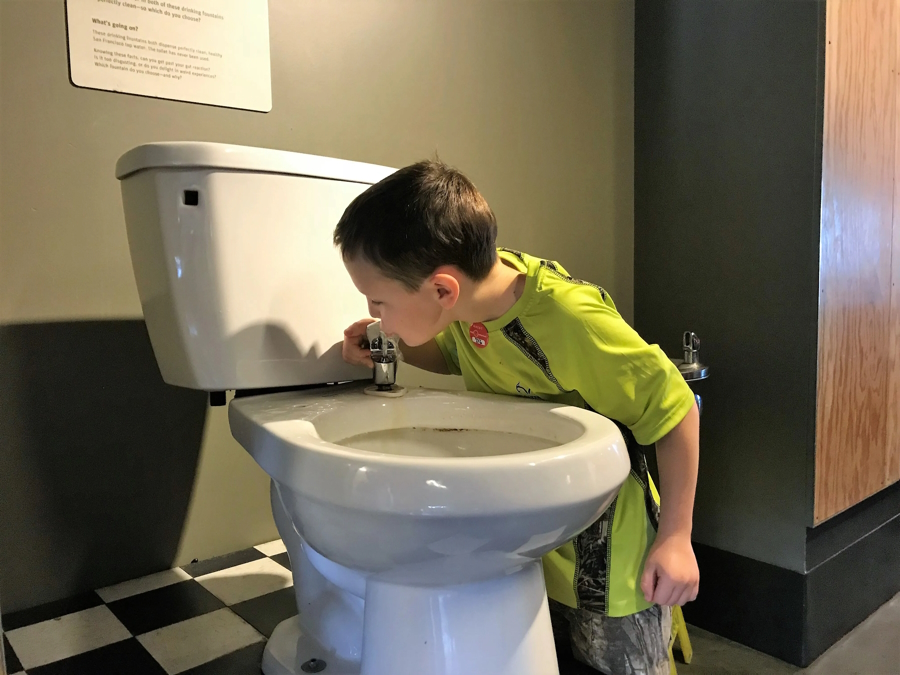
(532, 99)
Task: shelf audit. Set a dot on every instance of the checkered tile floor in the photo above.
(208, 618)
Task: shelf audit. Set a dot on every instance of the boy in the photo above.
(420, 245)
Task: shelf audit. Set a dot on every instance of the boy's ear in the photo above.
(445, 285)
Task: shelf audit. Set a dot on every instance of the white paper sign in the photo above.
(203, 51)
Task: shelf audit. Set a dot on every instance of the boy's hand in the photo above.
(356, 345)
(671, 576)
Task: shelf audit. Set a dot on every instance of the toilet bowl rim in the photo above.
(252, 425)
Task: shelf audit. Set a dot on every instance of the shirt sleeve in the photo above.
(617, 373)
(447, 344)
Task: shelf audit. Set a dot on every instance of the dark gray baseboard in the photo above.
(848, 587)
(751, 602)
(793, 616)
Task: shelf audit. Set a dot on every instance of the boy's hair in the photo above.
(417, 219)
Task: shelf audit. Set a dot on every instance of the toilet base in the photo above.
(496, 627)
(288, 649)
(499, 626)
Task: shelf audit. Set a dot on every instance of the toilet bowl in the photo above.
(415, 526)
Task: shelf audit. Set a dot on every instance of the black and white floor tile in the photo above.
(208, 618)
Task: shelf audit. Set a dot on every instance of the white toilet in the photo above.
(414, 525)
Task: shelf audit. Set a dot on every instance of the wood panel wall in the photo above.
(893, 421)
(857, 420)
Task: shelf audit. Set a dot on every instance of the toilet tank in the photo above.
(232, 252)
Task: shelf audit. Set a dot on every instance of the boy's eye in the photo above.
(377, 302)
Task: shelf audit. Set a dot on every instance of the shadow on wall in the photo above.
(286, 361)
(98, 459)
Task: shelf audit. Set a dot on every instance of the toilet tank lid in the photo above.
(201, 155)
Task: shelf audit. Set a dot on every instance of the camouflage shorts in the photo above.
(627, 645)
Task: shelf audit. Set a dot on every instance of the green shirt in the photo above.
(564, 341)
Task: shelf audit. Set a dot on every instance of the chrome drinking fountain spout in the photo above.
(386, 358)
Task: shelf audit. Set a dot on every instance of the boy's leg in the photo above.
(627, 645)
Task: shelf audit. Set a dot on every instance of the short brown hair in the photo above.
(417, 219)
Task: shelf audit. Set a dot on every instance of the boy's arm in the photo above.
(622, 377)
(671, 575)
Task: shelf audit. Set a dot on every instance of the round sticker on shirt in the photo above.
(478, 335)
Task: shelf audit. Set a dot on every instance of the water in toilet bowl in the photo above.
(418, 442)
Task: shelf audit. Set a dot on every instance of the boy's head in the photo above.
(410, 240)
